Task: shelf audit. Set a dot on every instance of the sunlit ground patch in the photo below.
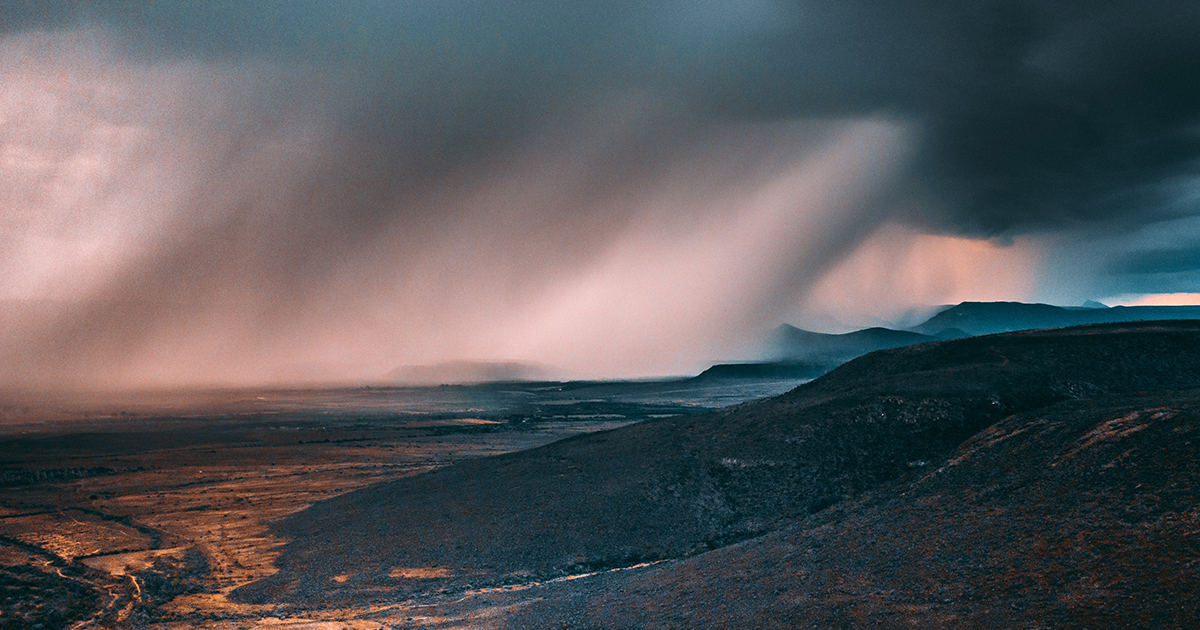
(421, 573)
(71, 534)
(449, 422)
(132, 562)
(274, 623)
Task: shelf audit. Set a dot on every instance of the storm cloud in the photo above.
(243, 193)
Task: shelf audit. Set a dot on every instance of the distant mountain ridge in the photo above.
(985, 318)
(789, 342)
(968, 319)
(783, 370)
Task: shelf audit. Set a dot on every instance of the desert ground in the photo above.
(148, 509)
(1040, 479)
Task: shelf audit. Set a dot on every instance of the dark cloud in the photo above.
(1035, 113)
(1097, 117)
(341, 139)
(1167, 261)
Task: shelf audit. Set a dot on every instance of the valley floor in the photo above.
(1041, 479)
(149, 513)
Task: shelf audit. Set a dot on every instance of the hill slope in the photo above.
(1082, 514)
(677, 487)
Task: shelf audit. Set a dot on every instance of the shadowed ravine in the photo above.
(1008, 478)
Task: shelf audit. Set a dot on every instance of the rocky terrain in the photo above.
(1080, 515)
(1030, 479)
(147, 509)
(1035, 479)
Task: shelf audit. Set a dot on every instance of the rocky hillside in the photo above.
(1082, 514)
(966, 472)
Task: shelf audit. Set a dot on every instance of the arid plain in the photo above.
(1041, 478)
(148, 509)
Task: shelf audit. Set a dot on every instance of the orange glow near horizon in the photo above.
(1161, 299)
(898, 270)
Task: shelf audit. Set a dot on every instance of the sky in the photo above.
(303, 191)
